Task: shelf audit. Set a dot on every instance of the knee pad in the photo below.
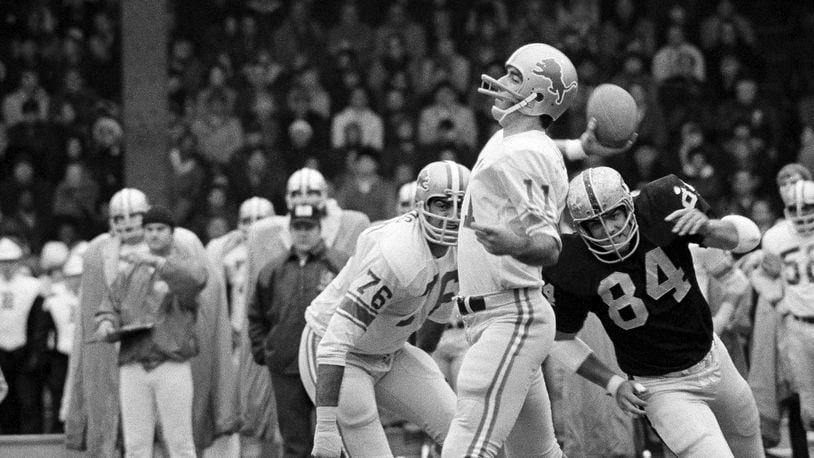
(356, 413)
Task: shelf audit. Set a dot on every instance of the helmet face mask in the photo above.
(540, 80)
(126, 208)
(799, 206)
(595, 197)
(306, 187)
(253, 209)
(445, 181)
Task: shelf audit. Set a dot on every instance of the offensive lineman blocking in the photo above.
(511, 211)
(354, 355)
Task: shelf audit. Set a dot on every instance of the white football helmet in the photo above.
(126, 209)
(594, 194)
(790, 174)
(253, 209)
(445, 180)
(406, 197)
(799, 206)
(549, 82)
(306, 186)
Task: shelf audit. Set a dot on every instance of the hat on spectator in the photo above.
(9, 250)
(305, 214)
(53, 255)
(158, 214)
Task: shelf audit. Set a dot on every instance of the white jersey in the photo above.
(63, 305)
(388, 288)
(797, 253)
(519, 181)
(17, 296)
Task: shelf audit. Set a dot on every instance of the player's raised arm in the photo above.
(732, 232)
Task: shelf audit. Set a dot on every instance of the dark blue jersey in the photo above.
(649, 304)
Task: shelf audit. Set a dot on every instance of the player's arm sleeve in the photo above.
(532, 194)
(374, 289)
(570, 310)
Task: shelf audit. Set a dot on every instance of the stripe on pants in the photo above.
(492, 404)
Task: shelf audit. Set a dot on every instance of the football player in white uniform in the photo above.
(354, 355)
(229, 251)
(406, 198)
(511, 214)
(267, 239)
(792, 242)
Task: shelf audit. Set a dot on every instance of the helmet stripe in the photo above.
(589, 190)
(450, 176)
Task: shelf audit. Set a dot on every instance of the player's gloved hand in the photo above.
(327, 441)
(628, 395)
(688, 221)
(591, 145)
(771, 265)
(104, 332)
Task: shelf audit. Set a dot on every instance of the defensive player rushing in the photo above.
(511, 211)
(354, 355)
(629, 263)
(791, 242)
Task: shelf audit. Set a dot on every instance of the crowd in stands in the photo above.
(368, 92)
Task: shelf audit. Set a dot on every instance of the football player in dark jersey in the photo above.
(629, 263)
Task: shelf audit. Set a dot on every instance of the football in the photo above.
(615, 112)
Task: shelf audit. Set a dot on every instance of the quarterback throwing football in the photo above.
(629, 263)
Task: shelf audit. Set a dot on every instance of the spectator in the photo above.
(628, 28)
(158, 291)
(398, 23)
(185, 73)
(394, 63)
(304, 149)
(676, 55)
(446, 106)
(365, 190)
(260, 174)
(682, 94)
(216, 205)
(350, 33)
(358, 112)
(298, 107)
(29, 89)
(107, 155)
(103, 65)
(22, 342)
(444, 64)
(77, 195)
(37, 138)
(188, 178)
(216, 83)
(218, 133)
(749, 107)
(742, 194)
(24, 179)
(285, 287)
(309, 79)
(712, 27)
(299, 39)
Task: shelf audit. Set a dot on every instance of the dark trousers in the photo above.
(56, 369)
(21, 411)
(294, 413)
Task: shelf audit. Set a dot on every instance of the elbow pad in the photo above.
(571, 352)
(748, 233)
